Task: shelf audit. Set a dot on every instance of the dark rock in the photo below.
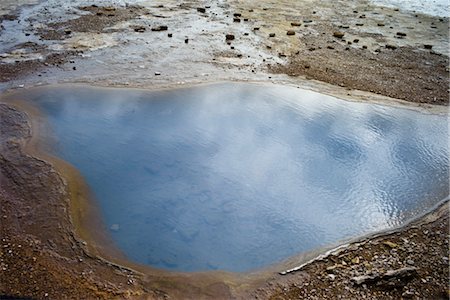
(67, 31)
(338, 34)
(380, 24)
(330, 47)
(139, 29)
(271, 34)
(392, 47)
(307, 21)
(186, 40)
(160, 28)
(290, 32)
(359, 24)
(237, 20)
(426, 46)
(229, 37)
(201, 9)
(245, 20)
(296, 24)
(355, 40)
(401, 34)
(255, 28)
(169, 35)
(237, 15)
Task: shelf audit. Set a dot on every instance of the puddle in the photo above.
(239, 176)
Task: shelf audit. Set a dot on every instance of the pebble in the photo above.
(229, 37)
(201, 9)
(160, 28)
(296, 24)
(338, 34)
(290, 32)
(271, 34)
(401, 34)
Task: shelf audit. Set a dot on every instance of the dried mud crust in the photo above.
(40, 257)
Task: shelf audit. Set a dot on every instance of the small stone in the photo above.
(67, 31)
(355, 40)
(380, 24)
(229, 37)
(332, 276)
(401, 34)
(255, 28)
(186, 40)
(355, 260)
(410, 262)
(359, 24)
(330, 47)
(290, 32)
(201, 10)
(390, 244)
(296, 24)
(160, 28)
(169, 35)
(271, 34)
(338, 34)
(427, 46)
(392, 47)
(157, 73)
(237, 15)
(139, 29)
(236, 20)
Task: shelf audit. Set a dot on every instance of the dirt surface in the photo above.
(351, 45)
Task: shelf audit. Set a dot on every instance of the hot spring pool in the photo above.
(240, 176)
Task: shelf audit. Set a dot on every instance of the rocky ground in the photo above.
(337, 47)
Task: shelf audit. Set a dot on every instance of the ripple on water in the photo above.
(239, 176)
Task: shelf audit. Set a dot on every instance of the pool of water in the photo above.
(239, 176)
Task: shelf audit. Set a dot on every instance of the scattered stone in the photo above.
(359, 24)
(307, 21)
(364, 47)
(186, 40)
(427, 46)
(380, 24)
(237, 15)
(139, 29)
(67, 31)
(355, 40)
(271, 34)
(390, 244)
(312, 49)
(229, 37)
(338, 34)
(201, 10)
(157, 73)
(236, 20)
(160, 28)
(255, 28)
(355, 260)
(332, 276)
(397, 275)
(401, 34)
(330, 47)
(296, 24)
(245, 20)
(290, 32)
(169, 35)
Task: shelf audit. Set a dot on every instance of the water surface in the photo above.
(239, 176)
